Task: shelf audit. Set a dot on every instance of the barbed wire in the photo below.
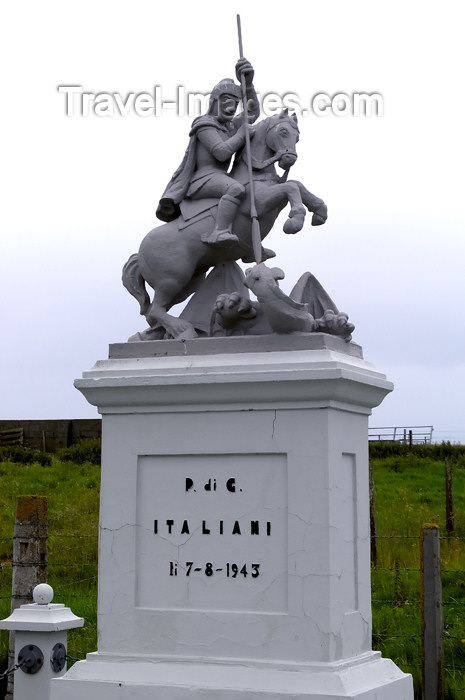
(81, 580)
(73, 535)
(396, 602)
(396, 636)
(373, 537)
(64, 551)
(411, 601)
(413, 537)
(392, 568)
(402, 568)
(445, 635)
(11, 564)
(66, 515)
(395, 537)
(49, 536)
(75, 595)
(56, 564)
(452, 571)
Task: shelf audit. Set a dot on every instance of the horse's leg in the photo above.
(157, 314)
(277, 196)
(192, 287)
(315, 205)
(297, 213)
(155, 311)
(168, 262)
(170, 289)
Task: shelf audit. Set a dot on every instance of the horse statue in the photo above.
(174, 260)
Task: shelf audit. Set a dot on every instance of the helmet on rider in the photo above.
(226, 88)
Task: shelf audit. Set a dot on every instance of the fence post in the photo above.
(449, 498)
(373, 528)
(431, 614)
(29, 560)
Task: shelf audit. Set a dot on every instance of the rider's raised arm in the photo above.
(253, 105)
(221, 150)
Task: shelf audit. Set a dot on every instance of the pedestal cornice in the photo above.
(332, 373)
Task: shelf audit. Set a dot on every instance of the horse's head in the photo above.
(272, 140)
(282, 134)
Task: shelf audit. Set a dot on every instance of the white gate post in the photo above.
(40, 646)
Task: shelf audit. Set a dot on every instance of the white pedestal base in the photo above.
(366, 678)
(234, 524)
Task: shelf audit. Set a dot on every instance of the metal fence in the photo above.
(413, 435)
(409, 629)
(397, 595)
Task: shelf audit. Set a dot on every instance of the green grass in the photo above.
(72, 492)
(409, 492)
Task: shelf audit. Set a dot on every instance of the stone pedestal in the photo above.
(234, 527)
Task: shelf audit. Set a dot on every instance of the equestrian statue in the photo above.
(219, 205)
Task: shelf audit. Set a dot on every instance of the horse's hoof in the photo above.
(292, 226)
(317, 220)
(320, 215)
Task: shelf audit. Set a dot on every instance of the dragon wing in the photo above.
(309, 291)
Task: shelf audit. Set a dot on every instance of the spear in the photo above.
(256, 237)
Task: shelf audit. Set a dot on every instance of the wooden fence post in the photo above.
(373, 529)
(431, 614)
(449, 498)
(29, 560)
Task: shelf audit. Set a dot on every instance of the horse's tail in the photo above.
(135, 283)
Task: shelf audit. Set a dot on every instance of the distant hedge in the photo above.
(90, 451)
(444, 450)
(24, 455)
(81, 452)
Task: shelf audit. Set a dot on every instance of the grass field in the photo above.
(410, 491)
(72, 492)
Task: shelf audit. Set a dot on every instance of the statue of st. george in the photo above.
(214, 139)
(212, 212)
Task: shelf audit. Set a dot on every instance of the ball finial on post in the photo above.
(42, 594)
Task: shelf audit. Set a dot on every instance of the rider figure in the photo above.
(214, 139)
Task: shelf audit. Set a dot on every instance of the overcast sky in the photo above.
(79, 193)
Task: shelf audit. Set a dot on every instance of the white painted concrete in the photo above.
(234, 538)
(367, 678)
(42, 625)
